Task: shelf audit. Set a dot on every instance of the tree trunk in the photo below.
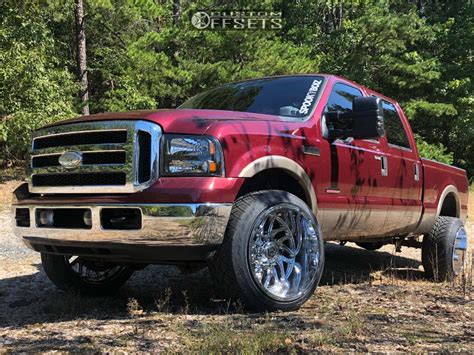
(176, 12)
(82, 56)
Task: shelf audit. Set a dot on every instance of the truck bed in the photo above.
(437, 178)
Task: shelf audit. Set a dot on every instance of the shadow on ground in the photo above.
(351, 265)
(32, 298)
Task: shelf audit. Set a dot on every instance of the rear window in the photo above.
(292, 97)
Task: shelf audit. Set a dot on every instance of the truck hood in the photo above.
(187, 121)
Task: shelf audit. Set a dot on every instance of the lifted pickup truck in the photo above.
(250, 178)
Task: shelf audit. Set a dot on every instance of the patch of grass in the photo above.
(163, 303)
(353, 326)
(223, 338)
(135, 311)
(411, 339)
(321, 339)
(16, 172)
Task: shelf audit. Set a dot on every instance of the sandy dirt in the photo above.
(367, 301)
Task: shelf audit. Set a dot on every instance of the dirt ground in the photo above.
(367, 301)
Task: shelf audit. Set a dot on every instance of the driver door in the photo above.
(353, 202)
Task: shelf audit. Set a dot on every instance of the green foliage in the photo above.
(142, 56)
(433, 151)
(35, 87)
(125, 96)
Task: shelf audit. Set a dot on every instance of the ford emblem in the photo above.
(70, 160)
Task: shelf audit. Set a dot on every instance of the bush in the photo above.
(436, 152)
(35, 88)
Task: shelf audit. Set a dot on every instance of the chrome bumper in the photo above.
(166, 225)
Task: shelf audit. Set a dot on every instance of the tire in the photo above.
(67, 273)
(444, 249)
(244, 266)
(370, 246)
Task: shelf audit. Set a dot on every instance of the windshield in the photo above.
(289, 96)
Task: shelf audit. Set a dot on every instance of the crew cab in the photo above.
(250, 178)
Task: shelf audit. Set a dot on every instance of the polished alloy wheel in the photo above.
(459, 251)
(92, 272)
(284, 252)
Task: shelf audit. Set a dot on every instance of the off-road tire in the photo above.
(63, 277)
(437, 249)
(229, 266)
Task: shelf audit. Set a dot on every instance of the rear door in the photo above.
(404, 180)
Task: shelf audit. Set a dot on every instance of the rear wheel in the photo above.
(84, 276)
(444, 249)
(272, 256)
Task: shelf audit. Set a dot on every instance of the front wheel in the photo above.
(84, 276)
(272, 256)
(444, 249)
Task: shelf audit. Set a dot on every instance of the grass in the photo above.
(392, 315)
(224, 338)
(16, 173)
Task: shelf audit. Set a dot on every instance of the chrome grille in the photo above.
(115, 157)
(81, 179)
(88, 158)
(80, 138)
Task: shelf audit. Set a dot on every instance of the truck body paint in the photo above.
(354, 201)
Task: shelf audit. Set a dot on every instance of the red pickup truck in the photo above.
(250, 178)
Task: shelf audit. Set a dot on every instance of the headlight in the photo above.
(191, 155)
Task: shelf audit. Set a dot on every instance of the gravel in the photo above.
(11, 246)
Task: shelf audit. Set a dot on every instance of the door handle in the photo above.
(383, 164)
(417, 172)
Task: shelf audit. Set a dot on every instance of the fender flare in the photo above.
(288, 165)
(447, 190)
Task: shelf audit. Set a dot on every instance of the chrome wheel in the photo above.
(284, 252)
(92, 272)
(459, 251)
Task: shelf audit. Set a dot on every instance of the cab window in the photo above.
(341, 97)
(394, 130)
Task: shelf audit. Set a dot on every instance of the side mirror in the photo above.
(364, 122)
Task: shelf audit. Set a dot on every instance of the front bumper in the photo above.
(164, 229)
